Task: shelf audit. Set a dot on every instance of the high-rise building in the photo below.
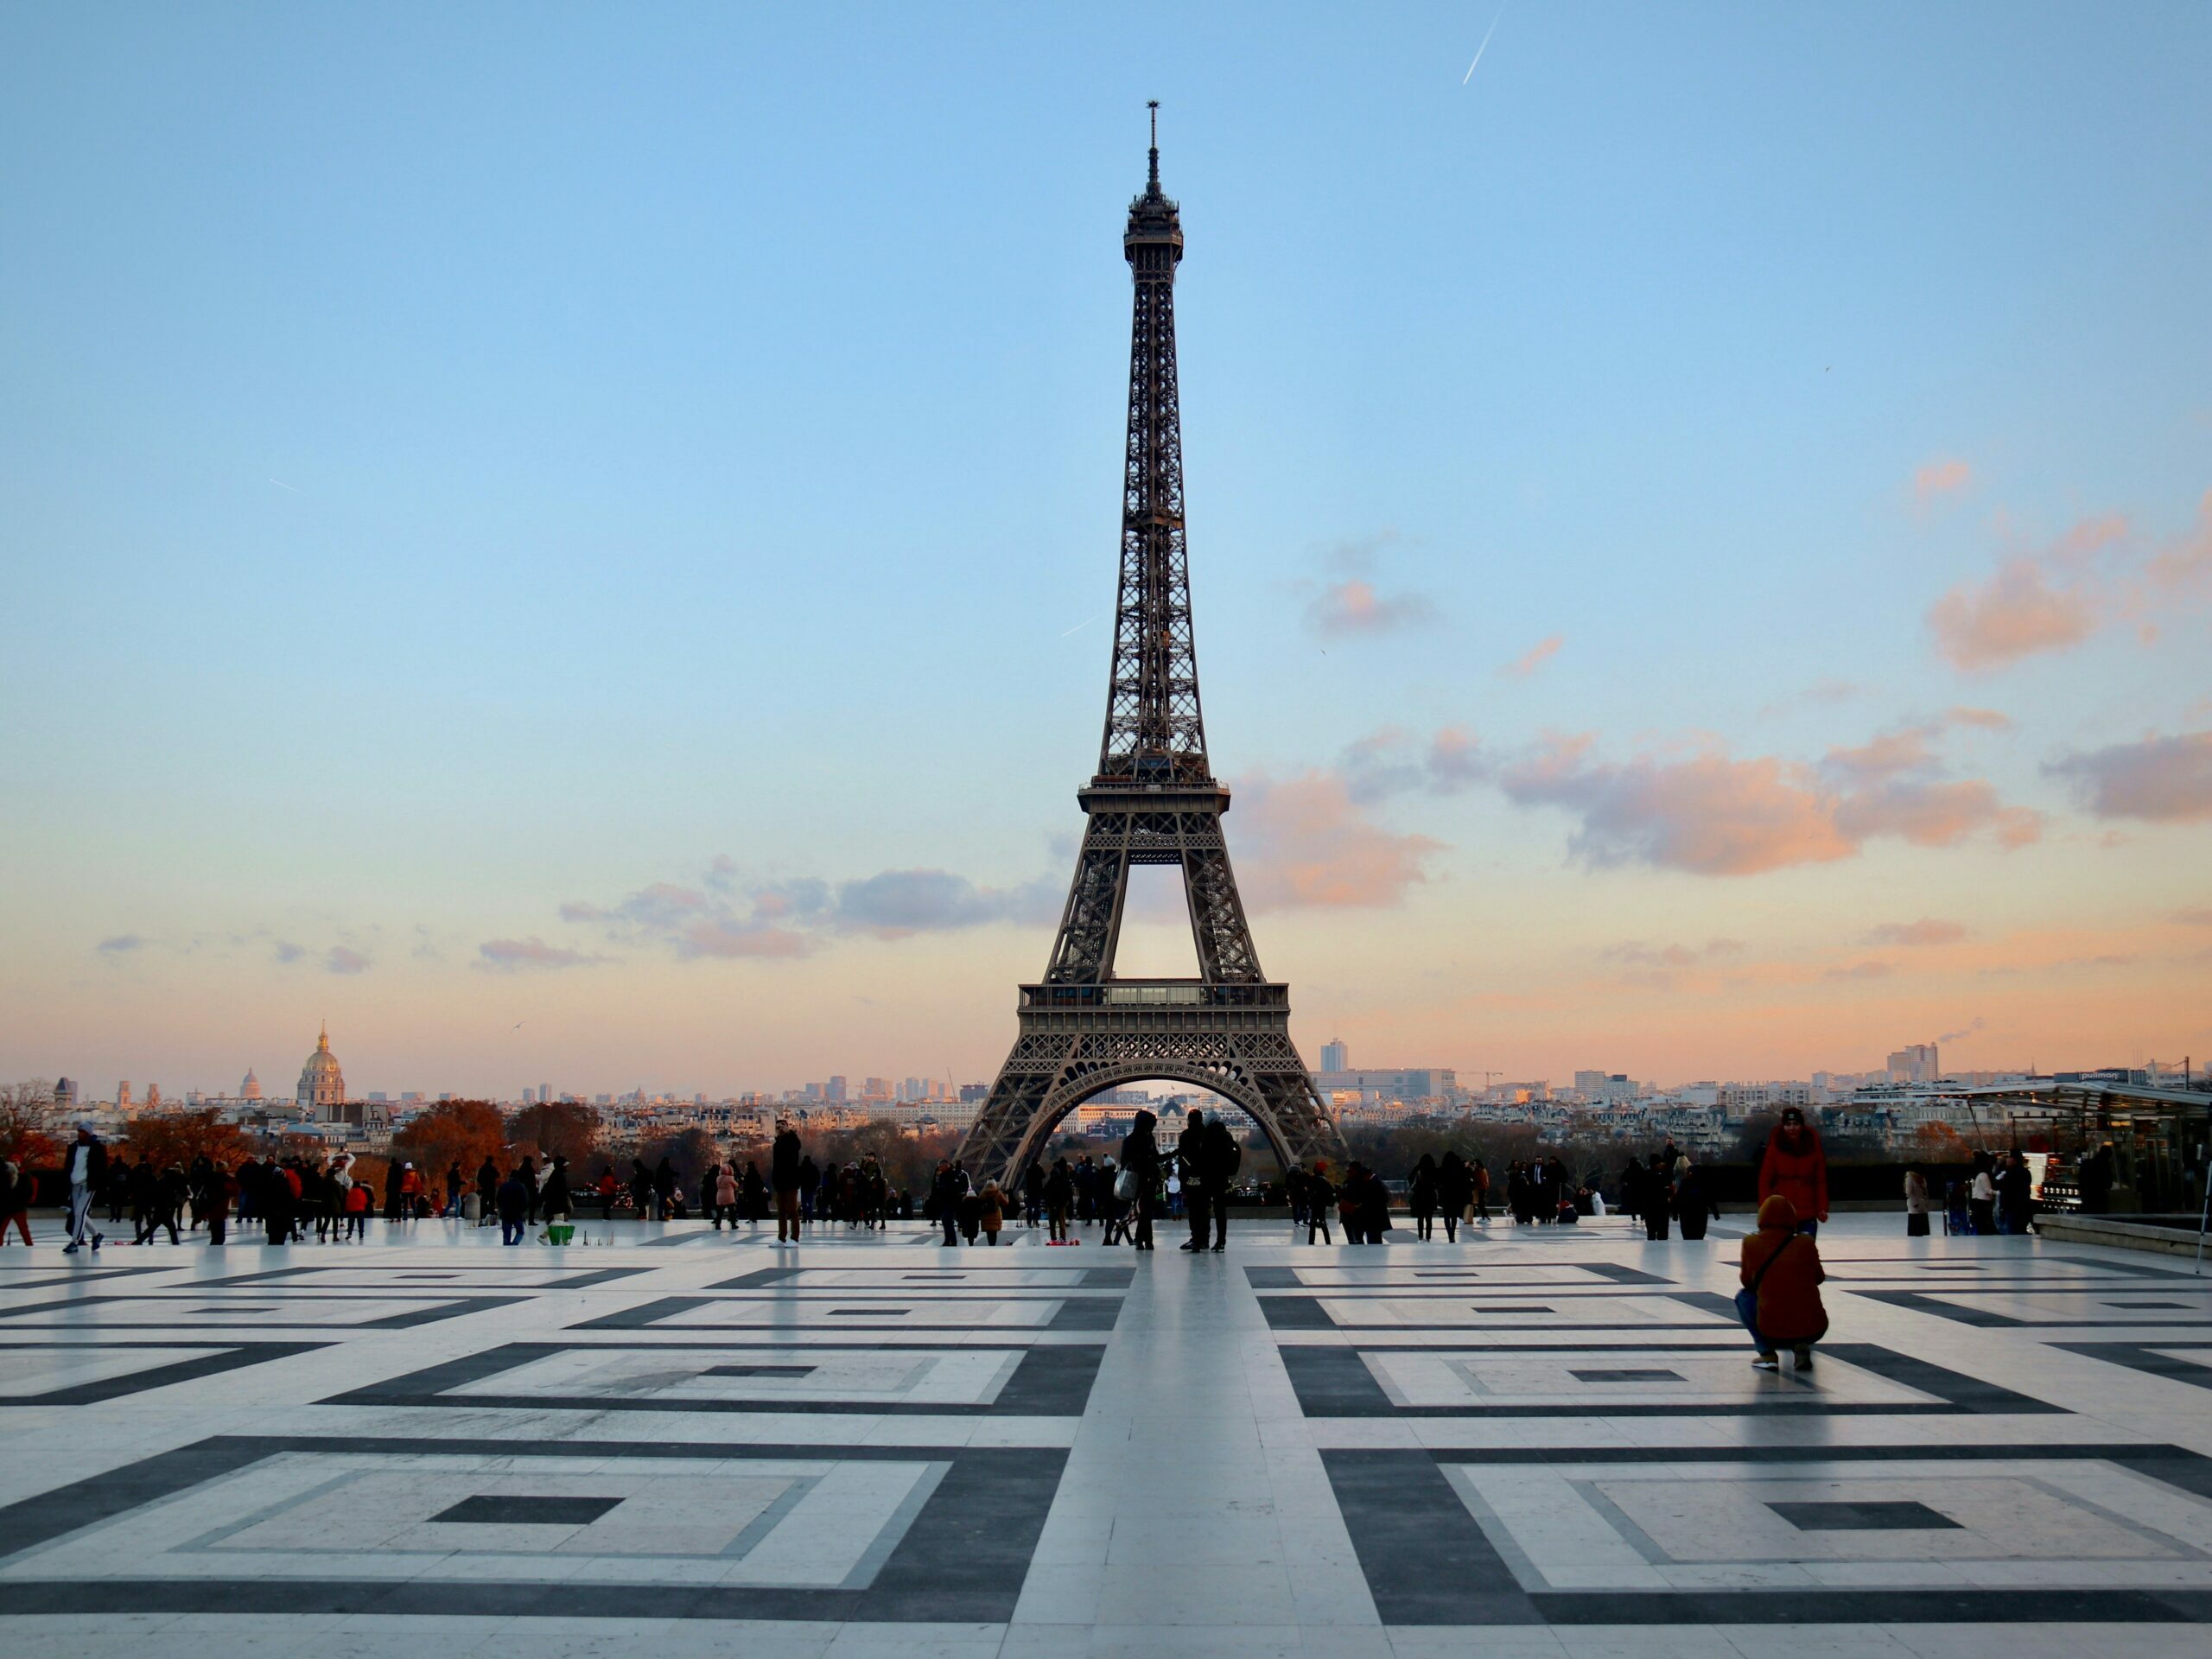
(833, 1091)
(1335, 1056)
(545, 1094)
(251, 1089)
(1915, 1063)
(323, 1085)
(123, 1097)
(153, 1096)
(65, 1095)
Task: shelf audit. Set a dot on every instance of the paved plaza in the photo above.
(1540, 1442)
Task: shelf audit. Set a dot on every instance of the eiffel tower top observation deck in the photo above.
(1153, 800)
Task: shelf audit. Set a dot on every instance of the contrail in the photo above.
(281, 484)
(1085, 623)
(1485, 46)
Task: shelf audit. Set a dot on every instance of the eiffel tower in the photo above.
(1153, 800)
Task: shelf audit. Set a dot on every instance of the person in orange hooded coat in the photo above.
(1796, 1168)
(1781, 1275)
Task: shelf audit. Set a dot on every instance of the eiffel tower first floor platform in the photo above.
(1076, 1040)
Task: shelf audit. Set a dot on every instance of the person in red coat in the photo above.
(1796, 1168)
(1780, 1272)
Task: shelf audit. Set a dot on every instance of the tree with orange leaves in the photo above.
(463, 1132)
(167, 1138)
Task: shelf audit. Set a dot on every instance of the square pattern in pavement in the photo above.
(1540, 1440)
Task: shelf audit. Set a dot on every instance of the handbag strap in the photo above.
(1766, 1265)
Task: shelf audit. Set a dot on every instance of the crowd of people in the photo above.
(332, 1199)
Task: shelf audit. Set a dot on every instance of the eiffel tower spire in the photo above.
(1154, 731)
(1153, 800)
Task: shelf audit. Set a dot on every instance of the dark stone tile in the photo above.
(1427, 1559)
(760, 1371)
(523, 1510)
(230, 1357)
(1898, 1516)
(1654, 1374)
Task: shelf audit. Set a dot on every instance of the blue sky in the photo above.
(457, 466)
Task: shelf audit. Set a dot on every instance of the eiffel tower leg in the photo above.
(993, 1148)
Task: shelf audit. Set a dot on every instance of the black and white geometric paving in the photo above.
(1545, 1441)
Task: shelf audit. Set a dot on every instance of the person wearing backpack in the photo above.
(1781, 1274)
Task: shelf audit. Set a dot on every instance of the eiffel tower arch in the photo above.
(1153, 800)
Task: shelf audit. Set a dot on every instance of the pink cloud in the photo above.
(1535, 657)
(1710, 815)
(1353, 608)
(2162, 779)
(1940, 478)
(509, 955)
(1305, 843)
(1884, 756)
(723, 936)
(1988, 719)
(2189, 560)
(1714, 815)
(2015, 613)
(1925, 814)
(1917, 935)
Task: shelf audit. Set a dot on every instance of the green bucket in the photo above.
(560, 1232)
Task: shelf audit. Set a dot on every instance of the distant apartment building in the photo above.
(1335, 1057)
(1416, 1083)
(833, 1091)
(1915, 1063)
(875, 1089)
(975, 1094)
(1605, 1085)
(123, 1097)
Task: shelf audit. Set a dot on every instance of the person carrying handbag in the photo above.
(1781, 1274)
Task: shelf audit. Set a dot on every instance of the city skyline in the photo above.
(1704, 582)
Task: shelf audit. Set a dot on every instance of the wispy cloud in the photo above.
(122, 944)
(285, 953)
(1988, 719)
(1353, 608)
(1940, 478)
(1393, 761)
(1928, 931)
(728, 917)
(2017, 612)
(511, 956)
(1535, 657)
(1303, 841)
(2054, 597)
(344, 959)
(1860, 970)
(2161, 779)
(1710, 813)
(1639, 953)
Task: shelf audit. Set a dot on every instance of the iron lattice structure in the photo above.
(1153, 800)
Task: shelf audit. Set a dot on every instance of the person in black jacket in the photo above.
(1219, 1162)
(554, 1202)
(783, 1157)
(1455, 1189)
(1421, 1196)
(2016, 1200)
(514, 1209)
(1141, 1159)
(1189, 1164)
(487, 1193)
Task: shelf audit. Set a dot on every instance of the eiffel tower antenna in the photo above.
(1153, 800)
